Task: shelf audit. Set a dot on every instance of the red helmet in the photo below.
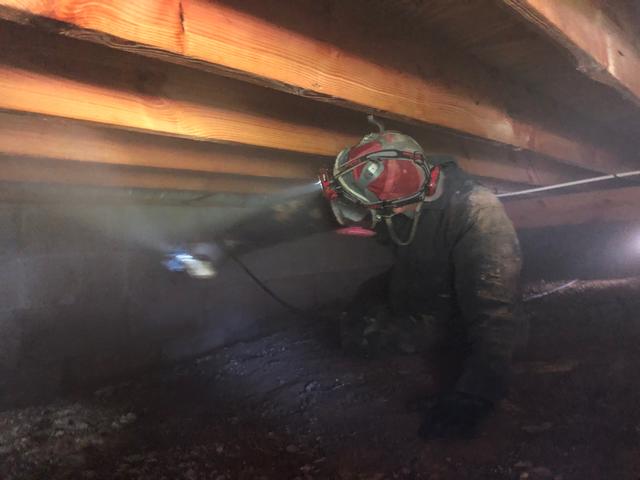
(385, 169)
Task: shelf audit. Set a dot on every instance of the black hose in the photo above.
(264, 287)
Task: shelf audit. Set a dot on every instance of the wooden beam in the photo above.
(72, 153)
(66, 78)
(208, 34)
(600, 206)
(36, 136)
(72, 79)
(25, 170)
(612, 205)
(54, 138)
(602, 49)
(485, 160)
(72, 170)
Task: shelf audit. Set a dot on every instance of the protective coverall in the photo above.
(455, 286)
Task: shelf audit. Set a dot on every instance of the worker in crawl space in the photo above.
(452, 291)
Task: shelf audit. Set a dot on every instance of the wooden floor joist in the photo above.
(484, 160)
(69, 79)
(28, 170)
(599, 206)
(602, 49)
(48, 137)
(72, 80)
(208, 34)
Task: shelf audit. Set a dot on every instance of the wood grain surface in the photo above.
(603, 50)
(37, 136)
(47, 171)
(611, 205)
(210, 34)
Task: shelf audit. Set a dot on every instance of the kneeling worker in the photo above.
(454, 283)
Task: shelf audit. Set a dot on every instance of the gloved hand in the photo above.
(453, 415)
(366, 334)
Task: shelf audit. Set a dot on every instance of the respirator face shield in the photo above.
(348, 213)
(370, 187)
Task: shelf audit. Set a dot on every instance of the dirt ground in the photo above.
(291, 406)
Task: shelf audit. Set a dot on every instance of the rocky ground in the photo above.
(291, 406)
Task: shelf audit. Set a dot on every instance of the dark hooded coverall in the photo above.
(455, 286)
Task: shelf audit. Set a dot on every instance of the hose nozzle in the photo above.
(195, 266)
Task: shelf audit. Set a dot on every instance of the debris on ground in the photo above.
(543, 427)
(291, 405)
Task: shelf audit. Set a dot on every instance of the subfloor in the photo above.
(291, 406)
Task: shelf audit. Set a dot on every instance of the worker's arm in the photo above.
(487, 266)
(279, 221)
